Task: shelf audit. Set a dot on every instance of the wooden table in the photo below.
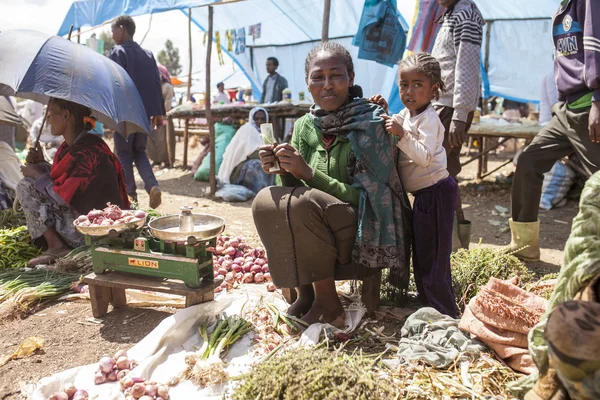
(109, 288)
(484, 131)
(277, 112)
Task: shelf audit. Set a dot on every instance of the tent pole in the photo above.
(326, 13)
(486, 63)
(78, 35)
(209, 120)
(189, 88)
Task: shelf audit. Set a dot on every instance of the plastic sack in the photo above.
(223, 135)
(380, 36)
(234, 193)
(557, 183)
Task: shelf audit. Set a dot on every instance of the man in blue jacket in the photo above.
(141, 67)
(575, 125)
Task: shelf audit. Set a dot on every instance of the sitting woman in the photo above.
(340, 210)
(241, 164)
(85, 174)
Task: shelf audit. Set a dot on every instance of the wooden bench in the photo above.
(371, 285)
(109, 288)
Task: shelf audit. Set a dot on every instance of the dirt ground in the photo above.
(72, 340)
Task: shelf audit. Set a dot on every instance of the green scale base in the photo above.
(133, 253)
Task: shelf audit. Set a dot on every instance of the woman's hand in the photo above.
(393, 126)
(35, 155)
(291, 161)
(32, 171)
(266, 153)
(380, 101)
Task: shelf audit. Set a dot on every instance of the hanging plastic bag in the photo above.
(380, 37)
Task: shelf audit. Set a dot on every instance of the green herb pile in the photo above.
(16, 248)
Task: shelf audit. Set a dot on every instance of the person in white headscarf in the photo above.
(241, 165)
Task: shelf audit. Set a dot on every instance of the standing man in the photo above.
(221, 96)
(141, 67)
(575, 124)
(274, 84)
(457, 48)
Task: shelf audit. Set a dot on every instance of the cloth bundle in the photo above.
(501, 316)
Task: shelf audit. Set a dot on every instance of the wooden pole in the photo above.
(326, 13)
(78, 35)
(211, 127)
(189, 91)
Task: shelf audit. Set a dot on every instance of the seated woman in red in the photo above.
(85, 174)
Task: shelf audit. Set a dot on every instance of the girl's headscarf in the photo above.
(164, 73)
(254, 111)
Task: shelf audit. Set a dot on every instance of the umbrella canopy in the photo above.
(8, 115)
(38, 66)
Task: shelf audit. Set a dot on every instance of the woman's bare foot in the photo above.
(300, 307)
(329, 314)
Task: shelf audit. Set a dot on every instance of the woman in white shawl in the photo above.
(241, 165)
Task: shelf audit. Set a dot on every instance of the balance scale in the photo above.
(171, 247)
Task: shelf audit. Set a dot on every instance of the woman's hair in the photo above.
(78, 112)
(426, 64)
(337, 50)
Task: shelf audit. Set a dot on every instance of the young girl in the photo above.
(423, 172)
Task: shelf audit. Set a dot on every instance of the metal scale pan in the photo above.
(206, 227)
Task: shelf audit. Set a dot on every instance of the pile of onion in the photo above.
(138, 388)
(70, 392)
(115, 368)
(235, 262)
(111, 215)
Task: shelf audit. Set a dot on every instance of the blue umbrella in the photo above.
(37, 66)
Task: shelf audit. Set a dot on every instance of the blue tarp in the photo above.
(520, 39)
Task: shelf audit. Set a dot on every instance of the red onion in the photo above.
(250, 259)
(234, 243)
(271, 287)
(163, 392)
(256, 269)
(92, 215)
(248, 267)
(106, 364)
(218, 289)
(133, 364)
(225, 238)
(230, 251)
(123, 373)
(146, 397)
(81, 395)
(259, 252)
(222, 277)
(239, 253)
(222, 271)
(221, 259)
(59, 396)
(242, 246)
(98, 220)
(69, 389)
(107, 222)
(227, 264)
(112, 376)
(239, 276)
(219, 250)
(112, 211)
(260, 261)
(126, 382)
(160, 398)
(267, 276)
(82, 218)
(259, 277)
(99, 378)
(151, 390)
(216, 273)
(248, 278)
(123, 362)
(229, 277)
(138, 390)
(239, 260)
(120, 353)
(236, 268)
(140, 214)
(265, 268)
